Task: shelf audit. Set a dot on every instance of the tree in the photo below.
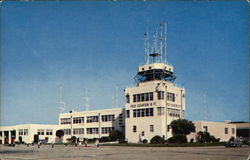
(182, 127)
(59, 133)
(114, 135)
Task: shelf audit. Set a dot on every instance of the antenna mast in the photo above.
(61, 103)
(115, 99)
(145, 47)
(165, 43)
(205, 104)
(86, 100)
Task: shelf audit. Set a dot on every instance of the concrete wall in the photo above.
(160, 122)
(217, 129)
(118, 122)
(32, 130)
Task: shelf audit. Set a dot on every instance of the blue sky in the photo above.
(99, 45)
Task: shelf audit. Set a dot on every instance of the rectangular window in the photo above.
(134, 98)
(108, 118)
(65, 120)
(92, 130)
(138, 98)
(67, 131)
(142, 133)
(127, 98)
(233, 131)
(160, 95)
(151, 112)
(226, 130)
(77, 120)
(78, 131)
(40, 131)
(91, 119)
(160, 111)
(151, 96)
(128, 113)
(49, 131)
(205, 128)
(151, 128)
(134, 112)
(107, 130)
(171, 97)
(25, 132)
(20, 131)
(142, 97)
(134, 129)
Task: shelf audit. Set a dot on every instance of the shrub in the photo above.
(144, 141)
(104, 139)
(192, 140)
(114, 135)
(157, 140)
(177, 139)
(232, 138)
(205, 137)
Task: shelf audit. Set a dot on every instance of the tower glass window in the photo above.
(171, 97)
(160, 95)
(128, 113)
(127, 98)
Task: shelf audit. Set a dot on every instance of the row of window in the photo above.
(150, 96)
(226, 131)
(65, 121)
(42, 132)
(145, 112)
(143, 97)
(78, 131)
(107, 130)
(90, 119)
(107, 118)
(104, 130)
(173, 112)
(23, 131)
(77, 120)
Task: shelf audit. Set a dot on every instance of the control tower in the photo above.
(155, 101)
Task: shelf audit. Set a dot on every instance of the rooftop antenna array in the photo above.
(156, 50)
(61, 103)
(86, 100)
(115, 99)
(205, 104)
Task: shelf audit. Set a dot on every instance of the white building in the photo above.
(91, 124)
(222, 130)
(28, 133)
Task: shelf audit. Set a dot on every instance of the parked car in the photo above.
(235, 143)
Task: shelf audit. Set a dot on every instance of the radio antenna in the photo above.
(61, 103)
